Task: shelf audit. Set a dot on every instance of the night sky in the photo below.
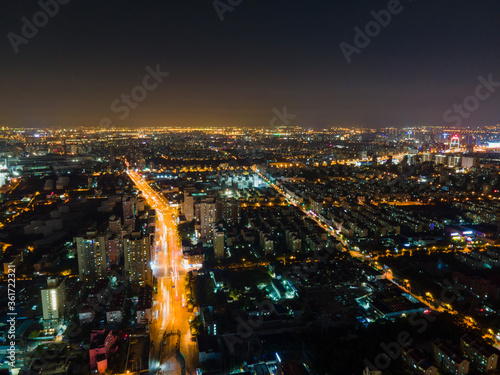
(264, 55)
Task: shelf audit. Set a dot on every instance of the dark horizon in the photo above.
(259, 59)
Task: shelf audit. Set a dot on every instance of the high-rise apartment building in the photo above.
(128, 204)
(188, 206)
(92, 257)
(114, 249)
(219, 243)
(427, 157)
(137, 254)
(208, 217)
(53, 304)
(229, 210)
(470, 162)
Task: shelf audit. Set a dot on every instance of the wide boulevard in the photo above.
(173, 350)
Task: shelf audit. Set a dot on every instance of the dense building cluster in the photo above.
(251, 251)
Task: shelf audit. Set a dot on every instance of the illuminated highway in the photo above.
(169, 311)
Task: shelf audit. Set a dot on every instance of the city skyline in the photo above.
(273, 251)
(234, 187)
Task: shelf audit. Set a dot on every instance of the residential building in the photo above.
(208, 217)
(219, 242)
(188, 206)
(483, 357)
(449, 361)
(53, 304)
(137, 254)
(92, 257)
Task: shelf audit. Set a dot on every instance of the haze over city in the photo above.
(234, 71)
